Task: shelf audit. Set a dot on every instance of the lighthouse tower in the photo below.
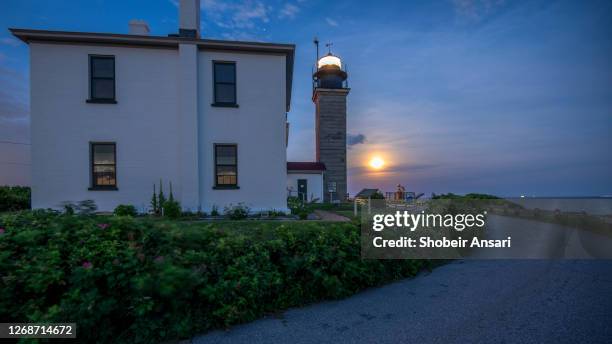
(329, 95)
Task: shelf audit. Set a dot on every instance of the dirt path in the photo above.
(329, 216)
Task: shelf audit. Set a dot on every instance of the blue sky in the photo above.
(491, 96)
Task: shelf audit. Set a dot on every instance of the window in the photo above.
(101, 79)
(103, 166)
(225, 84)
(226, 166)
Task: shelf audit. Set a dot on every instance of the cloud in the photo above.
(331, 22)
(475, 9)
(352, 140)
(11, 41)
(396, 170)
(244, 14)
(248, 12)
(288, 11)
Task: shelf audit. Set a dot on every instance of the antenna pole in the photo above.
(346, 71)
(316, 43)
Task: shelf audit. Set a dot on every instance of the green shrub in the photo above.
(294, 204)
(303, 214)
(69, 208)
(236, 212)
(191, 215)
(85, 207)
(141, 280)
(273, 213)
(451, 195)
(172, 209)
(125, 210)
(214, 211)
(13, 198)
(300, 208)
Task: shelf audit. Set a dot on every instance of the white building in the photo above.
(305, 180)
(112, 114)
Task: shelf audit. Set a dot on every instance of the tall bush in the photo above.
(125, 210)
(124, 279)
(172, 209)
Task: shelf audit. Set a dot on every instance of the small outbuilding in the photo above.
(367, 193)
(305, 180)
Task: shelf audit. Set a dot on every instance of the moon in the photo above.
(377, 163)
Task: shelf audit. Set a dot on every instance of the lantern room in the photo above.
(329, 72)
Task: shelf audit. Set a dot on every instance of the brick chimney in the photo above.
(189, 18)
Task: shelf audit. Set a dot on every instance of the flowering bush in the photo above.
(239, 211)
(14, 198)
(125, 279)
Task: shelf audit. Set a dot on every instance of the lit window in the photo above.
(103, 166)
(329, 60)
(226, 165)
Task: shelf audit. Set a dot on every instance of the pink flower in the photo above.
(1, 230)
(159, 259)
(87, 265)
(103, 225)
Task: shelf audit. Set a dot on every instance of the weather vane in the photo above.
(329, 45)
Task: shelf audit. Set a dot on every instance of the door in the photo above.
(303, 189)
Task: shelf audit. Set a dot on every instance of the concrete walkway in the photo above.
(500, 301)
(329, 216)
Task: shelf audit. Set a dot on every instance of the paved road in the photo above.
(501, 301)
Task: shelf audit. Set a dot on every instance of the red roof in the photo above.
(305, 166)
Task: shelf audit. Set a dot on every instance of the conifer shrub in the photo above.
(172, 209)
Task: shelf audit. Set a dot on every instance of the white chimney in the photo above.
(139, 27)
(189, 18)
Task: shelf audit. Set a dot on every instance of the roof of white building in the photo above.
(170, 42)
(305, 166)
